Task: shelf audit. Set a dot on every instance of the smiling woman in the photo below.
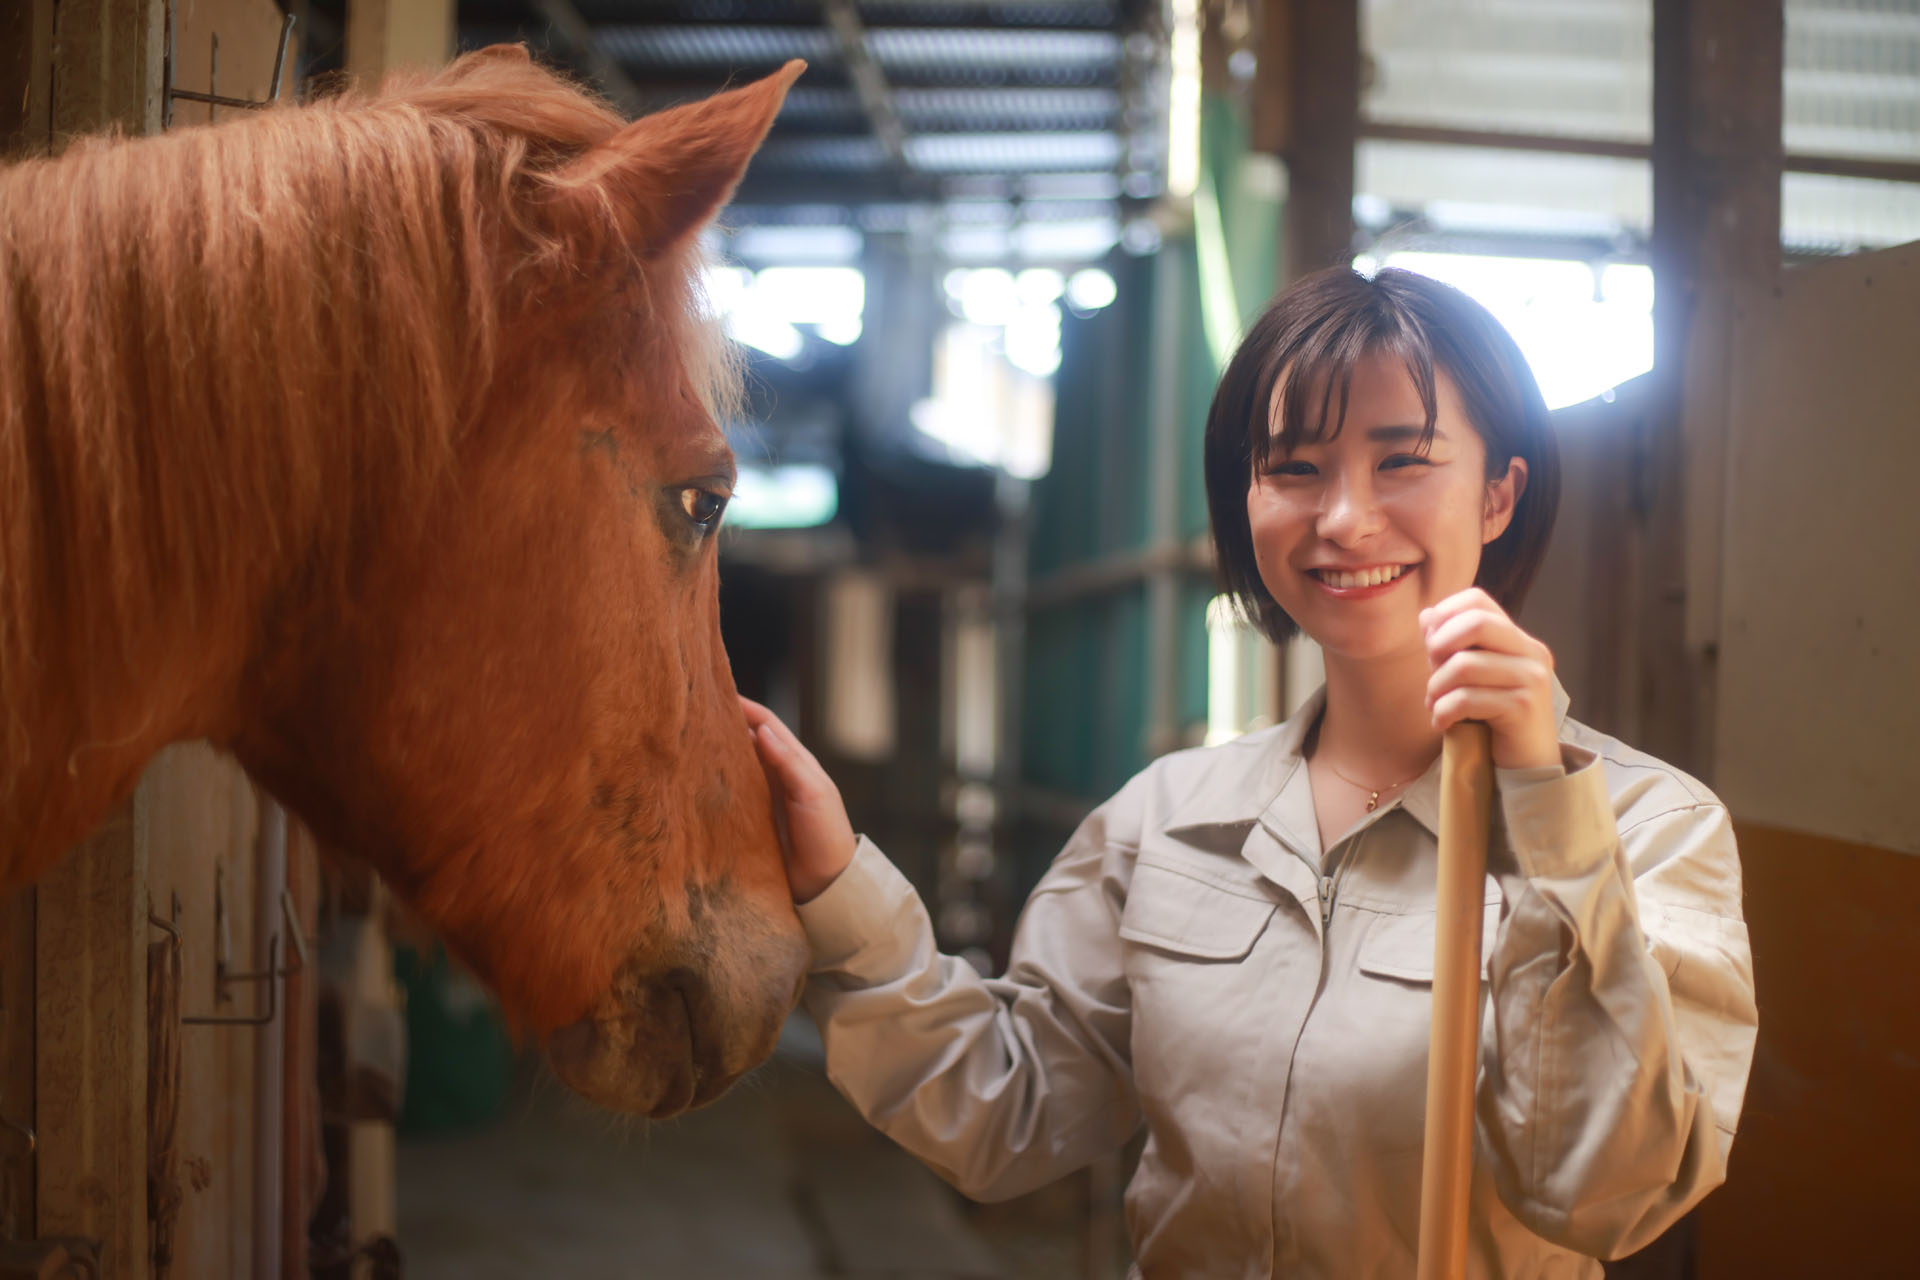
(1236, 951)
(1424, 357)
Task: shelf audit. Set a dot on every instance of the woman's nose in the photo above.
(1348, 510)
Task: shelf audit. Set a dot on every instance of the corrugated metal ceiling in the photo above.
(1043, 102)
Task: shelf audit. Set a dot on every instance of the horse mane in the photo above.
(223, 347)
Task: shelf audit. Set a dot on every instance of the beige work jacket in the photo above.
(1192, 962)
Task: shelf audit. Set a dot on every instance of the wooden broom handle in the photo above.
(1446, 1169)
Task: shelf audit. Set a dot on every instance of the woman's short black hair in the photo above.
(1312, 335)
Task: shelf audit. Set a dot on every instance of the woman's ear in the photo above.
(1503, 495)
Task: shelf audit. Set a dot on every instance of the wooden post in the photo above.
(1306, 109)
(90, 1067)
(106, 66)
(385, 34)
(1717, 67)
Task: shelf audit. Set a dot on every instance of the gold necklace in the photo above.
(1373, 793)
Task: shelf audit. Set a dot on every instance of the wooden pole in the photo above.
(1446, 1170)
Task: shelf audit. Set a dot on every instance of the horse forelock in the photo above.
(222, 347)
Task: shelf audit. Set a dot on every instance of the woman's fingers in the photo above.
(1486, 668)
(779, 748)
(816, 835)
(1480, 627)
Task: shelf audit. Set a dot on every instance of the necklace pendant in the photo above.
(1373, 799)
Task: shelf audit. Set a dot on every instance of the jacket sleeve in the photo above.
(1000, 1085)
(1621, 1027)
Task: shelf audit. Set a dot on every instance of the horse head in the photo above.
(478, 643)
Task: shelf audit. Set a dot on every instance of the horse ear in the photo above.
(665, 175)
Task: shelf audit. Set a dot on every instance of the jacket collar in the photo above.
(1267, 785)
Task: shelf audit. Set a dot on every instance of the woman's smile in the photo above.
(1362, 582)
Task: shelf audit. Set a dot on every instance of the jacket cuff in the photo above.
(856, 913)
(1559, 822)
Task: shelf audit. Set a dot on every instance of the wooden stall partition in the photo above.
(16, 1064)
(1815, 753)
(201, 825)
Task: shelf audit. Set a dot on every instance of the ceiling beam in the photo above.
(869, 83)
(570, 31)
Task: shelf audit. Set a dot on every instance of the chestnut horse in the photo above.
(374, 440)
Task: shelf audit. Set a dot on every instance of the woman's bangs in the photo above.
(1316, 386)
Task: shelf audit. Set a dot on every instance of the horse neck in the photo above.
(188, 415)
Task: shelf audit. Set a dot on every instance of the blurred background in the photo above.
(986, 269)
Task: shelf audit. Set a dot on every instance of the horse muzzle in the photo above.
(675, 1030)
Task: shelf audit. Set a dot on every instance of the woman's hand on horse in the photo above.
(1486, 668)
(815, 831)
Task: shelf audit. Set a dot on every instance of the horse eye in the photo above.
(702, 507)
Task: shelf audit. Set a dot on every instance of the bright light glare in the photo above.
(992, 402)
(766, 333)
(783, 497)
(1033, 339)
(1037, 286)
(988, 297)
(1223, 672)
(1091, 289)
(1580, 340)
(725, 287)
(841, 330)
(1183, 100)
(763, 309)
(810, 295)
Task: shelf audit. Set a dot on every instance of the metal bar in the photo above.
(261, 1019)
(1883, 170)
(216, 99)
(169, 95)
(280, 58)
(869, 82)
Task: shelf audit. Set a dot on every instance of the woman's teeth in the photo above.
(1364, 578)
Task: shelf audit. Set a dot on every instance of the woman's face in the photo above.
(1355, 536)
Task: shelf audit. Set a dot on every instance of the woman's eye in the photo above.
(702, 506)
(1402, 460)
(1292, 468)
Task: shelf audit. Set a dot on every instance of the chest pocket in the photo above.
(1401, 946)
(1172, 910)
